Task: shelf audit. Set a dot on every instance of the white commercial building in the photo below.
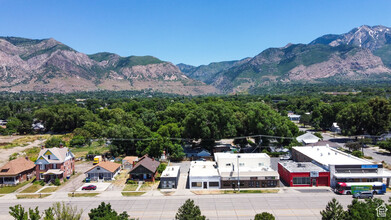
(204, 175)
(343, 167)
(251, 170)
(169, 178)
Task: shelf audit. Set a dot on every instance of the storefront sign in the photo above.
(314, 174)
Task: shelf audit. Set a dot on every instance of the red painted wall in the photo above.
(287, 177)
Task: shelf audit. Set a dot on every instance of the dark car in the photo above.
(363, 195)
(89, 187)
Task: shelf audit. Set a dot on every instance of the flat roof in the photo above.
(242, 156)
(203, 169)
(385, 174)
(170, 171)
(301, 167)
(329, 156)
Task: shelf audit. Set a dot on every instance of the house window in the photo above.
(41, 166)
(213, 184)
(41, 176)
(196, 184)
(49, 157)
(54, 166)
(257, 184)
(251, 184)
(301, 180)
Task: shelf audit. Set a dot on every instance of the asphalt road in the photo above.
(284, 206)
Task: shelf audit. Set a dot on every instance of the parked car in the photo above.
(363, 195)
(89, 187)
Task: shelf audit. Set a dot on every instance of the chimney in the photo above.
(153, 159)
(43, 147)
(27, 158)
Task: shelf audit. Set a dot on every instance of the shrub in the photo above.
(357, 153)
(131, 182)
(57, 182)
(161, 167)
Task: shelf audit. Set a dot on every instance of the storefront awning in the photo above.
(53, 171)
(384, 174)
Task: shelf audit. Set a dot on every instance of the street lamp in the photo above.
(238, 175)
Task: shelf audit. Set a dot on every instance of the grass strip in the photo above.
(132, 193)
(32, 196)
(82, 194)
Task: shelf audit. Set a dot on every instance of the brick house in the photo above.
(17, 171)
(54, 163)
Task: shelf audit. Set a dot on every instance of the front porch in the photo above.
(11, 180)
(53, 174)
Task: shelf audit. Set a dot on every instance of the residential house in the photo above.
(335, 128)
(251, 170)
(56, 162)
(204, 175)
(103, 171)
(170, 177)
(145, 169)
(128, 162)
(196, 152)
(17, 171)
(294, 118)
(307, 138)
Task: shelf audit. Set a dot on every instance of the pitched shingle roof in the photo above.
(107, 165)
(14, 167)
(60, 153)
(148, 163)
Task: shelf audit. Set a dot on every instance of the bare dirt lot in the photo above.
(6, 153)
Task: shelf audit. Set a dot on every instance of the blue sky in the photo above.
(182, 31)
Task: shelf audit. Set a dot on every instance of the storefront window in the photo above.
(301, 180)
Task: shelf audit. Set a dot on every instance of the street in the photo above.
(291, 204)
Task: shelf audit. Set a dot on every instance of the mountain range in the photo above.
(363, 54)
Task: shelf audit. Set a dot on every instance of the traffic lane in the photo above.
(300, 205)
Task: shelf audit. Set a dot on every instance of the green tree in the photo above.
(18, 212)
(333, 211)
(34, 214)
(104, 211)
(305, 119)
(353, 146)
(189, 211)
(78, 141)
(53, 142)
(264, 216)
(62, 211)
(386, 145)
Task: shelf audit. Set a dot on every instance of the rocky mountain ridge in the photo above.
(50, 66)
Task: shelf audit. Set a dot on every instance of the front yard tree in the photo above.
(189, 211)
(333, 211)
(264, 216)
(104, 211)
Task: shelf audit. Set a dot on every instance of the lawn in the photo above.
(130, 187)
(149, 186)
(48, 190)
(11, 189)
(132, 193)
(31, 196)
(82, 194)
(94, 148)
(32, 189)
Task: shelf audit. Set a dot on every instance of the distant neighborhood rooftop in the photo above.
(329, 156)
(308, 138)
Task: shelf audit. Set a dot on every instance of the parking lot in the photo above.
(100, 187)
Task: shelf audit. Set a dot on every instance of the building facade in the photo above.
(145, 169)
(204, 175)
(303, 174)
(104, 171)
(250, 170)
(54, 163)
(17, 171)
(170, 177)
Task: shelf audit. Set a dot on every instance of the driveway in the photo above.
(100, 187)
(76, 182)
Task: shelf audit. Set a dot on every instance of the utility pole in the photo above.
(238, 175)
